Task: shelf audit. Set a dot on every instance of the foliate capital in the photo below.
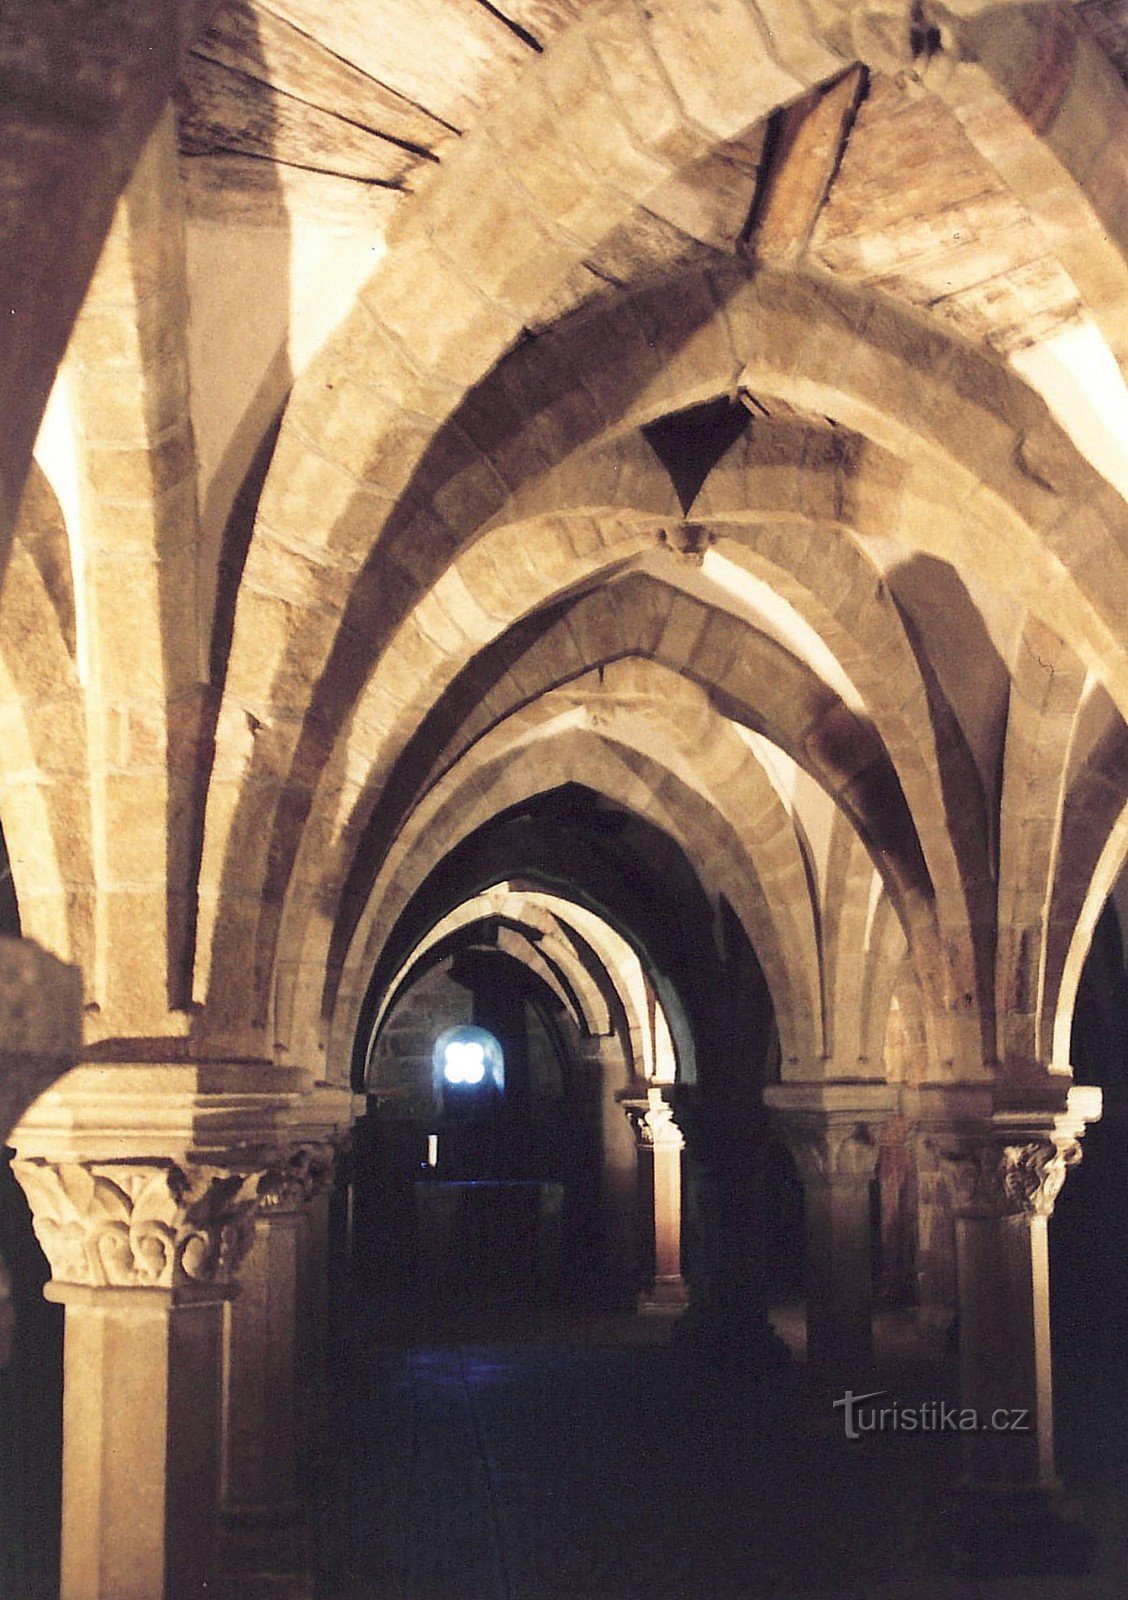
(992, 1176)
(141, 1224)
(830, 1149)
(296, 1179)
(652, 1121)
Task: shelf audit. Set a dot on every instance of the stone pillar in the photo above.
(618, 1177)
(660, 1143)
(727, 1313)
(1006, 1175)
(833, 1132)
(328, 1173)
(143, 1256)
(267, 1346)
(936, 1242)
(896, 1182)
(145, 1181)
(933, 1110)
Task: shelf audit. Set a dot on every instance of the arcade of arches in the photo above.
(598, 521)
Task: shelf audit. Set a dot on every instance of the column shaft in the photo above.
(270, 1338)
(258, 1485)
(1004, 1187)
(311, 1378)
(667, 1219)
(839, 1277)
(659, 1144)
(1003, 1272)
(141, 1423)
(936, 1245)
(833, 1131)
(725, 1259)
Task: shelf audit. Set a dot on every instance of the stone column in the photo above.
(896, 1182)
(267, 1345)
(143, 1256)
(144, 1184)
(1006, 1175)
(936, 1243)
(933, 1110)
(833, 1132)
(619, 1175)
(727, 1313)
(322, 1277)
(660, 1143)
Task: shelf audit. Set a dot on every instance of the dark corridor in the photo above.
(510, 1455)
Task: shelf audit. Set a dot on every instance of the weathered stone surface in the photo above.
(41, 1016)
(859, 659)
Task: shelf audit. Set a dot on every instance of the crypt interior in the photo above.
(564, 799)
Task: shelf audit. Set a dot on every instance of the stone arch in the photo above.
(885, 965)
(643, 786)
(604, 976)
(69, 154)
(432, 650)
(44, 790)
(659, 623)
(852, 956)
(413, 395)
(573, 984)
(1047, 687)
(527, 799)
(1091, 854)
(808, 747)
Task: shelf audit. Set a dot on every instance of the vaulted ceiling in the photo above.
(720, 409)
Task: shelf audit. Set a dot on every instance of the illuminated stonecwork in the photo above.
(602, 522)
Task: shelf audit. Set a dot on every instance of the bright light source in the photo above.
(467, 1058)
(464, 1061)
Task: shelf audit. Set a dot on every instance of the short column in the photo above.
(935, 1112)
(313, 1313)
(660, 1144)
(936, 1290)
(143, 1256)
(835, 1147)
(263, 1524)
(1005, 1182)
(727, 1313)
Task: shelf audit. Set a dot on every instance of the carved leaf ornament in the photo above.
(140, 1225)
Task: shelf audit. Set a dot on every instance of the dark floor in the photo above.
(505, 1455)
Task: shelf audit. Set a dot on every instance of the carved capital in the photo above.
(830, 1149)
(652, 1121)
(296, 1179)
(140, 1224)
(993, 1176)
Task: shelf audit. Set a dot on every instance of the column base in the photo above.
(666, 1297)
